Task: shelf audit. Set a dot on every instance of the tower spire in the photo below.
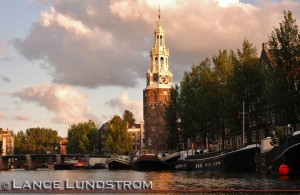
(159, 12)
(158, 22)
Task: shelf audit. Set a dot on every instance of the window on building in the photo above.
(160, 40)
(161, 61)
(149, 141)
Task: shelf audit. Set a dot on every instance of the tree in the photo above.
(248, 85)
(210, 96)
(117, 139)
(128, 118)
(285, 45)
(172, 120)
(19, 143)
(82, 138)
(194, 102)
(36, 140)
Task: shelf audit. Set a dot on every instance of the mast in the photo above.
(243, 138)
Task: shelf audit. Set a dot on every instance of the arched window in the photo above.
(161, 61)
(157, 40)
(160, 40)
(156, 60)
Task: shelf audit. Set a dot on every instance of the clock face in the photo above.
(163, 79)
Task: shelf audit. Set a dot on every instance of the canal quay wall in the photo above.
(31, 159)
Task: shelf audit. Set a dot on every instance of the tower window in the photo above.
(156, 60)
(161, 60)
(160, 40)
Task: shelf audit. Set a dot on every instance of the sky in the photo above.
(70, 61)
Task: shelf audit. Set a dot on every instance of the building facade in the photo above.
(157, 92)
(6, 142)
(137, 134)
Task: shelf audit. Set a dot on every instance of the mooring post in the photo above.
(3, 163)
(30, 163)
(58, 158)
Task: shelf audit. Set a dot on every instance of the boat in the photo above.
(170, 160)
(80, 165)
(64, 166)
(273, 156)
(240, 160)
(98, 166)
(148, 162)
(118, 162)
(71, 165)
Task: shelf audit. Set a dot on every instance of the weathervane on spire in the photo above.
(159, 12)
(158, 22)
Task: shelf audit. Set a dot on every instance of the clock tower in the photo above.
(157, 92)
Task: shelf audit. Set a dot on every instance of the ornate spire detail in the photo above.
(159, 12)
(158, 22)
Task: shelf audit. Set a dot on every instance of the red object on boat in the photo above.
(79, 164)
(284, 169)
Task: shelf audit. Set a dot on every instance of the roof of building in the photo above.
(267, 55)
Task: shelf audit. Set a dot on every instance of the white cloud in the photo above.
(51, 17)
(5, 79)
(102, 43)
(67, 103)
(1, 47)
(123, 102)
(227, 3)
(2, 115)
(22, 118)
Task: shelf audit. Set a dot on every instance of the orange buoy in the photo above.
(284, 169)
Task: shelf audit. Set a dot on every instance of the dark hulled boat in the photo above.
(287, 154)
(241, 160)
(170, 160)
(64, 166)
(98, 166)
(148, 162)
(118, 162)
(71, 165)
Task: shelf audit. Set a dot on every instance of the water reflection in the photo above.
(164, 180)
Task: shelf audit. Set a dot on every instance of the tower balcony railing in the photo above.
(164, 51)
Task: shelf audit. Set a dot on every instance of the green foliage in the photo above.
(36, 140)
(285, 44)
(211, 95)
(128, 118)
(117, 139)
(172, 121)
(82, 138)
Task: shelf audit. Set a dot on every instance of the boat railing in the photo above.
(175, 154)
(205, 155)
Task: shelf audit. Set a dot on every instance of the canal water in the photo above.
(176, 181)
